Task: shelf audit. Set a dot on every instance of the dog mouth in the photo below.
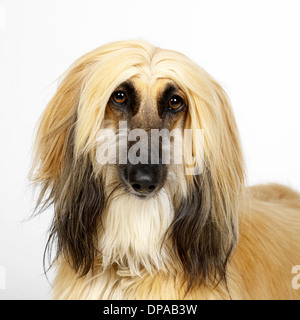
(142, 196)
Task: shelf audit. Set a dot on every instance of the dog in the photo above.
(186, 229)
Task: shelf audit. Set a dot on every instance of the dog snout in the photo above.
(144, 179)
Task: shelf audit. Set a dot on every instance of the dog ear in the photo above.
(79, 202)
(67, 181)
(54, 129)
(205, 228)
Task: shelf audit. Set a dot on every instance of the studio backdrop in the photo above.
(251, 48)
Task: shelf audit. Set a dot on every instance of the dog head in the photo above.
(136, 209)
(149, 110)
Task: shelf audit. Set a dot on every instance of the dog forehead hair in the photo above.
(148, 92)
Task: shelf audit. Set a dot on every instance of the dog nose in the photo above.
(143, 178)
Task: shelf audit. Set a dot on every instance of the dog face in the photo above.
(148, 215)
(160, 105)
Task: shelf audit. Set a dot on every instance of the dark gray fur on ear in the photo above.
(78, 199)
(201, 245)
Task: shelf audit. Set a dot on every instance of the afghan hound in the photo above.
(134, 219)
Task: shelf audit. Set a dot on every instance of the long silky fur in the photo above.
(187, 232)
(78, 199)
(202, 237)
(79, 202)
(201, 245)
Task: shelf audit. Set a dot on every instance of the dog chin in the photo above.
(134, 229)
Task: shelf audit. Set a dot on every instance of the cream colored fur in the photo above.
(135, 262)
(261, 267)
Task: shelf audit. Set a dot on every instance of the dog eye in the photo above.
(176, 102)
(119, 98)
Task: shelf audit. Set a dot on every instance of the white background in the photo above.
(251, 47)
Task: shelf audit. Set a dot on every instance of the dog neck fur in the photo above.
(133, 232)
